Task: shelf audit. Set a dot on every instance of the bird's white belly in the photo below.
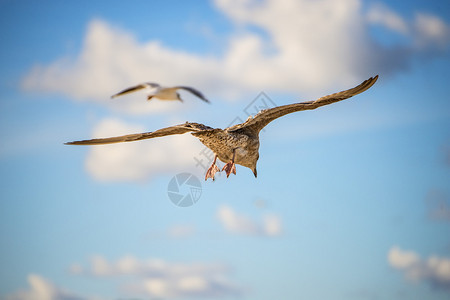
(166, 94)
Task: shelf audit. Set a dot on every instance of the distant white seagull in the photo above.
(163, 93)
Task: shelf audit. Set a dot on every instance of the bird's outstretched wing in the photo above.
(266, 116)
(146, 85)
(193, 91)
(177, 129)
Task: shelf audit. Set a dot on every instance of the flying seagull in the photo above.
(162, 93)
(237, 144)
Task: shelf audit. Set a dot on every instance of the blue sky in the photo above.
(352, 200)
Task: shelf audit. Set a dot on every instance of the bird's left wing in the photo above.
(266, 116)
(146, 85)
(193, 91)
(177, 129)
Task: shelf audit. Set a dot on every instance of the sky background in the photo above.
(352, 200)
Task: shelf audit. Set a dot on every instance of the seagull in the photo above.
(162, 93)
(237, 144)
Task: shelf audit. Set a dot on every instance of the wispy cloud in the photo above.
(382, 15)
(291, 56)
(159, 278)
(431, 32)
(42, 289)
(240, 224)
(434, 269)
(425, 31)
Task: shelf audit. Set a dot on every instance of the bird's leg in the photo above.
(230, 167)
(212, 170)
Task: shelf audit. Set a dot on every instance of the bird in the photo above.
(162, 93)
(237, 144)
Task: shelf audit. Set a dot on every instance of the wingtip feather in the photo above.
(75, 143)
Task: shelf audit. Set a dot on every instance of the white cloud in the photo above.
(312, 44)
(100, 266)
(112, 59)
(400, 259)
(193, 287)
(434, 269)
(138, 160)
(306, 46)
(272, 225)
(427, 32)
(42, 289)
(431, 31)
(234, 222)
(381, 14)
(158, 278)
(241, 224)
(130, 265)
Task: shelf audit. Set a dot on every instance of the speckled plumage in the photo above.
(241, 140)
(224, 142)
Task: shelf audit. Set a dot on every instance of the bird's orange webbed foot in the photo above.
(229, 168)
(212, 170)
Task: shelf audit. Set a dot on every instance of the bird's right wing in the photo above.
(266, 116)
(194, 91)
(177, 129)
(135, 88)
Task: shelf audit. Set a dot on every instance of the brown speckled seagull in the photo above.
(237, 144)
